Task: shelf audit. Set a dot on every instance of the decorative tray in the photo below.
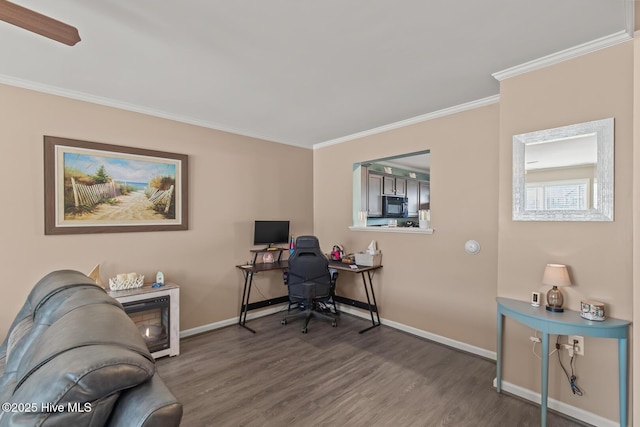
(126, 281)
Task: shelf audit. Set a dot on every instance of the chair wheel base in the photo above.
(283, 321)
(304, 330)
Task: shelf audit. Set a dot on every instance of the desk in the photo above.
(250, 270)
(368, 288)
(567, 323)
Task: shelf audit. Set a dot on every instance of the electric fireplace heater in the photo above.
(152, 317)
(156, 313)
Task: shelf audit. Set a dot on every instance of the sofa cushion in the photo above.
(13, 349)
(54, 282)
(69, 299)
(20, 340)
(88, 356)
(79, 386)
(72, 353)
(25, 331)
(17, 335)
(149, 405)
(97, 324)
(24, 313)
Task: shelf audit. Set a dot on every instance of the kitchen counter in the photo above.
(387, 229)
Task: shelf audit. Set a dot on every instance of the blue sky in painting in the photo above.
(120, 169)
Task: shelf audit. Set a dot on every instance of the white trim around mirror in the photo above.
(604, 172)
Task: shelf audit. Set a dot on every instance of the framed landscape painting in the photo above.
(91, 187)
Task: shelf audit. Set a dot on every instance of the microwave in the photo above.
(395, 207)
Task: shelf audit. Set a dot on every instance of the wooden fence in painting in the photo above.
(90, 195)
(160, 198)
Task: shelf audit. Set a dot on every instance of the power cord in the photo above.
(256, 287)
(571, 378)
(533, 347)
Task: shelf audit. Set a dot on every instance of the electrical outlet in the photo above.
(578, 344)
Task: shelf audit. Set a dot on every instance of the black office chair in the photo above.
(311, 284)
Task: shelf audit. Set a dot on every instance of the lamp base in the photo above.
(555, 309)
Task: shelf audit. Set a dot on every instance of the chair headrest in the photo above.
(307, 242)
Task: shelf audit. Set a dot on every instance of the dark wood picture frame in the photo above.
(92, 187)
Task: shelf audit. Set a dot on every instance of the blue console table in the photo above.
(566, 323)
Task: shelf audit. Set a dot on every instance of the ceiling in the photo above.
(294, 71)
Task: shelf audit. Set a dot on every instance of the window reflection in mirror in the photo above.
(561, 174)
(391, 191)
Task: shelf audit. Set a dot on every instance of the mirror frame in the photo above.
(604, 172)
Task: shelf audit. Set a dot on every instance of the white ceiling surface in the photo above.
(295, 71)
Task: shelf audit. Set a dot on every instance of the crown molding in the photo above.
(418, 119)
(563, 55)
(80, 96)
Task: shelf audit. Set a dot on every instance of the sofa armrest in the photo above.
(149, 404)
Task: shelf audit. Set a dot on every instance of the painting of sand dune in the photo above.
(102, 188)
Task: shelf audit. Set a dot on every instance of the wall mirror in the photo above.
(375, 181)
(565, 173)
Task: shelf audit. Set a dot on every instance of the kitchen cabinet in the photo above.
(424, 198)
(393, 186)
(374, 193)
(413, 194)
(418, 194)
(416, 191)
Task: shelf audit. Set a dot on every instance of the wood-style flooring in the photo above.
(336, 377)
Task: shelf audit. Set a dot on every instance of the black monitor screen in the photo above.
(270, 232)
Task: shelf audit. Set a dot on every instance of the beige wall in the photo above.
(233, 180)
(428, 281)
(599, 255)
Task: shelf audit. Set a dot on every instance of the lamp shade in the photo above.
(556, 275)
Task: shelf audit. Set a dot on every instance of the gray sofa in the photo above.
(73, 357)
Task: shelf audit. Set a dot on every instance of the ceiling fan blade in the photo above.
(38, 23)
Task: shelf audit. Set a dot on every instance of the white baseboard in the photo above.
(524, 393)
(556, 405)
(424, 334)
(228, 322)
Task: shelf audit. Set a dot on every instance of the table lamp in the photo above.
(555, 275)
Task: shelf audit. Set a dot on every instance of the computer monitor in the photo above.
(270, 233)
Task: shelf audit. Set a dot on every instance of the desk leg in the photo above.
(544, 385)
(499, 353)
(622, 380)
(375, 304)
(246, 292)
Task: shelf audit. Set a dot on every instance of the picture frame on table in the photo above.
(92, 187)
